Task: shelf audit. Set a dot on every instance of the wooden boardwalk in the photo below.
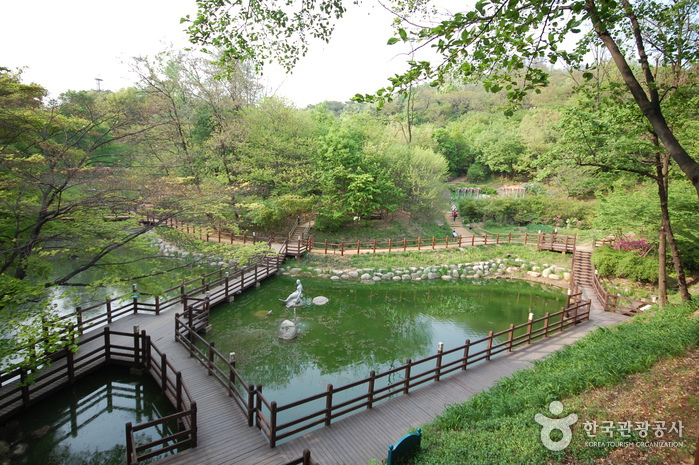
(225, 437)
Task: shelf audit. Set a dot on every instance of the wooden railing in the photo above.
(221, 368)
(545, 241)
(94, 352)
(294, 248)
(269, 416)
(218, 285)
(615, 302)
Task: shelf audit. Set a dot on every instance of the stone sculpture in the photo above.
(294, 299)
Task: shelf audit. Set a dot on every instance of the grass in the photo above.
(497, 426)
(397, 226)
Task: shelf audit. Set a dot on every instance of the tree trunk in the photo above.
(662, 168)
(662, 268)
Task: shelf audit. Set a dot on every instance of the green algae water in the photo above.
(85, 424)
(363, 327)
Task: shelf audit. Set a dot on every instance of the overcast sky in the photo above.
(66, 45)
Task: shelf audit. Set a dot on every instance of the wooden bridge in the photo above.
(231, 422)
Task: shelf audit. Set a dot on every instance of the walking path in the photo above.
(224, 436)
(355, 440)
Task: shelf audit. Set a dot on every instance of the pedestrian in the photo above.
(454, 214)
(453, 233)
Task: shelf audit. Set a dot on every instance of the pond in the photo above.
(363, 327)
(85, 424)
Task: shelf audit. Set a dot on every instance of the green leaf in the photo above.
(392, 40)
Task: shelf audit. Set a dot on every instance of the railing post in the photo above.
(561, 320)
(79, 313)
(136, 347)
(258, 404)
(342, 249)
(130, 459)
(273, 425)
(178, 384)
(210, 359)
(440, 349)
(157, 305)
(509, 337)
(108, 304)
(70, 364)
(134, 297)
(307, 456)
(251, 404)
(372, 381)
(432, 242)
(529, 327)
(107, 345)
(546, 324)
(406, 381)
(490, 344)
(467, 345)
(163, 371)
(390, 244)
(359, 247)
(193, 423)
(328, 405)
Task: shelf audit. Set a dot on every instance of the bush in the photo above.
(617, 263)
(477, 172)
(541, 209)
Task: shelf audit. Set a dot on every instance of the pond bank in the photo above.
(513, 268)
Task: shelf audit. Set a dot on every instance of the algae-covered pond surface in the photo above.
(363, 327)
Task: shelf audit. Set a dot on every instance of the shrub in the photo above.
(611, 262)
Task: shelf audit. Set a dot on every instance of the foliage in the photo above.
(619, 263)
(496, 426)
(625, 210)
(541, 209)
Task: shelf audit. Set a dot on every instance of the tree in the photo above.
(606, 131)
(499, 41)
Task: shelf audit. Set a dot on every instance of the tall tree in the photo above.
(498, 40)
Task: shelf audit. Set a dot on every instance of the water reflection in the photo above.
(85, 424)
(364, 327)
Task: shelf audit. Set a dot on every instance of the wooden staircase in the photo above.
(583, 274)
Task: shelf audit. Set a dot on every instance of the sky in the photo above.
(69, 44)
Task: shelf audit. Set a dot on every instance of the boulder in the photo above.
(288, 330)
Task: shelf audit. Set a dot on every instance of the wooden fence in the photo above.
(217, 286)
(94, 352)
(269, 416)
(294, 247)
(544, 241)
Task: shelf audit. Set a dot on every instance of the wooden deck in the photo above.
(224, 436)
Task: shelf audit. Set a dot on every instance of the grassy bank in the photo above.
(498, 427)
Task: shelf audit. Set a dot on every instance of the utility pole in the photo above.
(98, 83)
